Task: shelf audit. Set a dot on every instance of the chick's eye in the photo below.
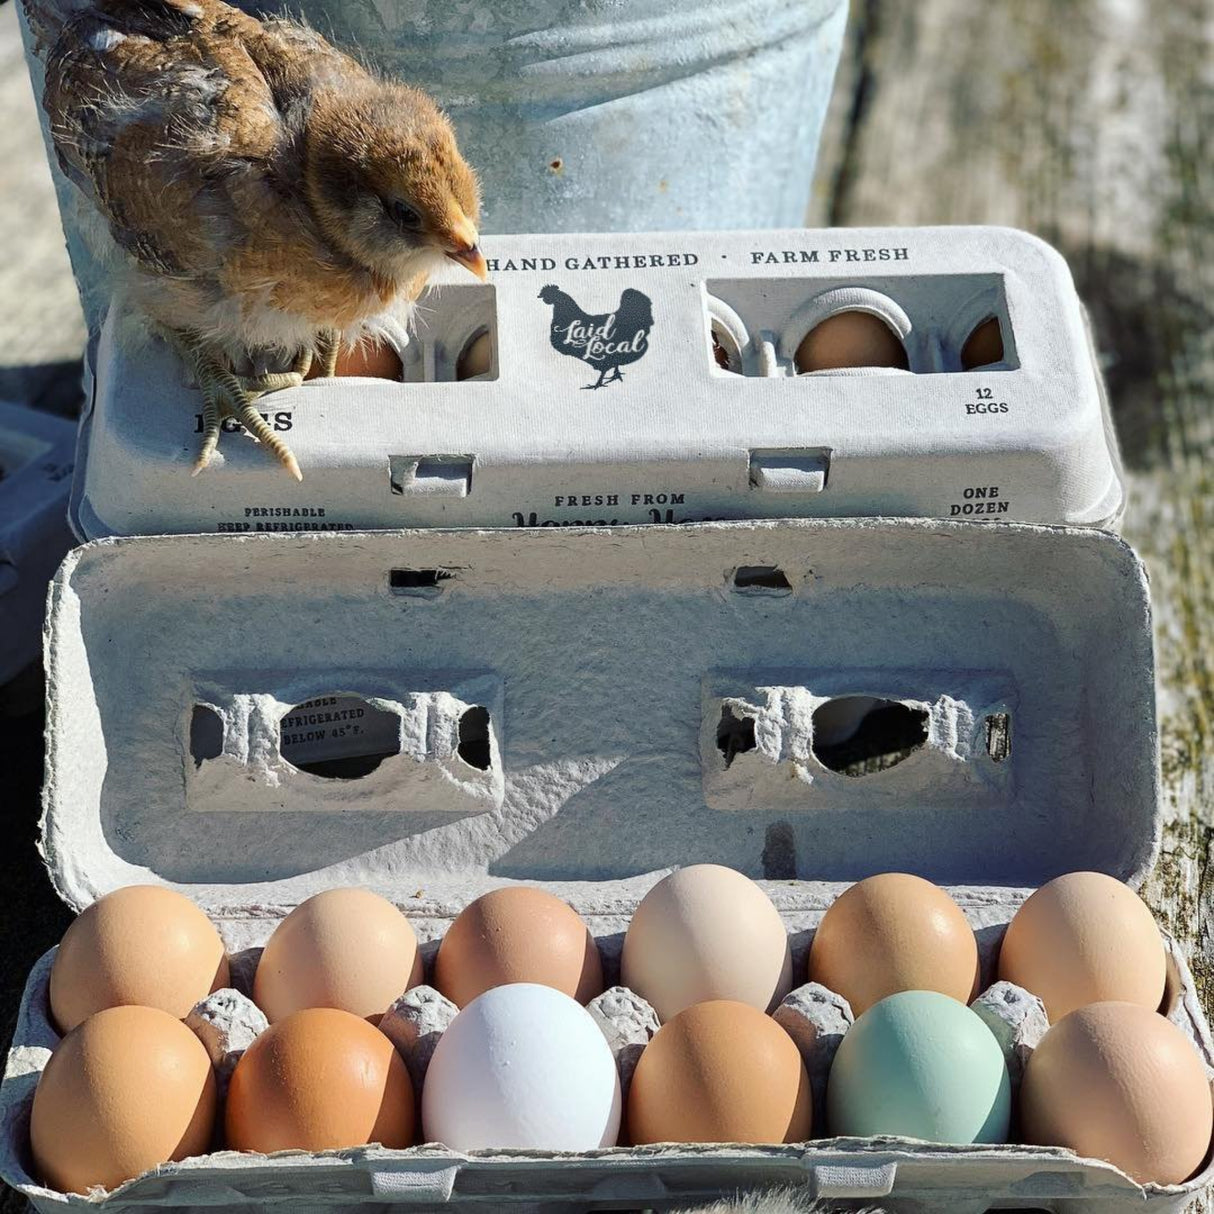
(403, 215)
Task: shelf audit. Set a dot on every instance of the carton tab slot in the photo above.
(760, 577)
(422, 583)
(446, 475)
(857, 735)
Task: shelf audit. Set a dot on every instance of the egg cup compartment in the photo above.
(380, 748)
(763, 323)
(607, 646)
(448, 321)
(797, 740)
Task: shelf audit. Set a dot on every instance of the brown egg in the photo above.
(476, 358)
(344, 948)
(1117, 1082)
(372, 360)
(319, 1080)
(706, 932)
(720, 1072)
(850, 339)
(983, 346)
(892, 933)
(1085, 938)
(517, 934)
(139, 945)
(128, 1089)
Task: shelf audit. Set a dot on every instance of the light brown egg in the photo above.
(128, 1089)
(850, 339)
(1117, 1082)
(142, 944)
(983, 346)
(319, 1080)
(706, 932)
(720, 1072)
(476, 358)
(372, 360)
(517, 934)
(344, 948)
(1085, 938)
(894, 932)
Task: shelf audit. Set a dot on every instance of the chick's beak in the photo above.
(467, 251)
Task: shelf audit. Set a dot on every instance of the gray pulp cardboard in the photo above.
(605, 405)
(37, 453)
(557, 685)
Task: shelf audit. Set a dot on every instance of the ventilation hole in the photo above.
(476, 358)
(474, 747)
(418, 581)
(983, 346)
(206, 734)
(735, 735)
(340, 737)
(780, 853)
(999, 736)
(760, 577)
(725, 352)
(859, 735)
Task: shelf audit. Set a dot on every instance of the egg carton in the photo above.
(598, 660)
(649, 379)
(37, 453)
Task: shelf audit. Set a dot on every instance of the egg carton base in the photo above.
(901, 1173)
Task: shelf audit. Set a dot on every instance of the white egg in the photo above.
(522, 1066)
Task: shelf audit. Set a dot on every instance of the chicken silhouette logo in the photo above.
(605, 342)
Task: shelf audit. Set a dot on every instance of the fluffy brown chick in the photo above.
(260, 194)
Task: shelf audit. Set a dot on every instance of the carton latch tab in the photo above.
(448, 475)
(789, 471)
(834, 1180)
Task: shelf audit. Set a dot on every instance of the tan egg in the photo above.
(518, 935)
(890, 933)
(1085, 938)
(476, 358)
(128, 1089)
(142, 944)
(317, 1081)
(371, 360)
(1117, 1082)
(344, 948)
(850, 339)
(983, 346)
(720, 1072)
(706, 932)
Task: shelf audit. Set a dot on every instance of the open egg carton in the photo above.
(624, 378)
(37, 453)
(582, 710)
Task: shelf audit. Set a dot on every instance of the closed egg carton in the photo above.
(651, 378)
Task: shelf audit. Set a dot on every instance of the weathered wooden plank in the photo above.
(1090, 122)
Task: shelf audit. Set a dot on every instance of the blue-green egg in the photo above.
(920, 1065)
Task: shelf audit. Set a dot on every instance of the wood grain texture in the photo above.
(1091, 123)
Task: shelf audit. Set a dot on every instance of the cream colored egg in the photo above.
(1117, 1082)
(319, 1080)
(706, 932)
(1085, 938)
(344, 948)
(890, 933)
(142, 944)
(126, 1090)
(476, 358)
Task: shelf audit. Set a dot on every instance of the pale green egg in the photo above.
(920, 1065)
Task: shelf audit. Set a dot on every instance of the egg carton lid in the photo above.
(611, 664)
(667, 435)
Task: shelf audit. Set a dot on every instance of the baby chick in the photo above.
(260, 195)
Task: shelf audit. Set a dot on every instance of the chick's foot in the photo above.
(225, 394)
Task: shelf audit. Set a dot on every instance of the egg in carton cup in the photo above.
(581, 711)
(611, 379)
(37, 454)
